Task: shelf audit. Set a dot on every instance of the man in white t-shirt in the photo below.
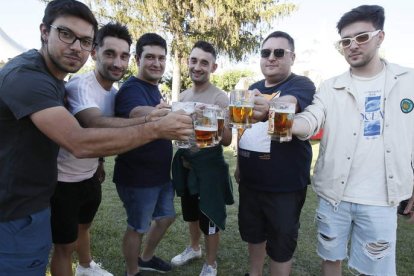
(365, 163)
(90, 98)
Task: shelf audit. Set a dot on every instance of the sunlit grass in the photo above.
(109, 226)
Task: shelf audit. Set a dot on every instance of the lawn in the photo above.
(109, 226)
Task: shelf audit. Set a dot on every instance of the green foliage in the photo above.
(235, 27)
(132, 69)
(228, 80)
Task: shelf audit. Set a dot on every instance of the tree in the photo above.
(227, 80)
(235, 27)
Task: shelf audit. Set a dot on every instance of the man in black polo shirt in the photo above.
(273, 176)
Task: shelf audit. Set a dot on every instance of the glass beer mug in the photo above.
(281, 116)
(188, 108)
(241, 108)
(205, 126)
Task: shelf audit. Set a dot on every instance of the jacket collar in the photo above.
(343, 81)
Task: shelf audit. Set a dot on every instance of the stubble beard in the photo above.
(105, 74)
(202, 80)
(59, 65)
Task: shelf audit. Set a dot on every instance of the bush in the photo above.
(228, 80)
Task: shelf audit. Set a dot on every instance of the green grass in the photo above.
(110, 222)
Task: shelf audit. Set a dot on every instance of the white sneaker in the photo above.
(188, 254)
(94, 269)
(208, 270)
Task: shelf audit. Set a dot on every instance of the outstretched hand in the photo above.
(261, 107)
(157, 114)
(175, 126)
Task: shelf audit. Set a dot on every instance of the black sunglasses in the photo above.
(279, 53)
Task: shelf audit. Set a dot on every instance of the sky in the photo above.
(313, 27)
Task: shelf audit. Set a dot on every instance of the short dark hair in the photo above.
(277, 34)
(113, 29)
(58, 8)
(151, 39)
(368, 13)
(206, 47)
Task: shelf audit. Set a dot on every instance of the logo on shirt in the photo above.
(373, 117)
(406, 105)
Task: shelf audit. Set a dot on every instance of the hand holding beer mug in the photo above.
(188, 108)
(205, 126)
(281, 116)
(241, 108)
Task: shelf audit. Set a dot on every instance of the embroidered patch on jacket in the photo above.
(406, 105)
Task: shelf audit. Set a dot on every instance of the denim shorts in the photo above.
(25, 244)
(144, 204)
(372, 230)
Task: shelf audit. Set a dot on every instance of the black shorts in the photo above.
(191, 213)
(273, 218)
(72, 204)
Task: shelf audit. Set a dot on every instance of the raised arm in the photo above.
(92, 117)
(60, 126)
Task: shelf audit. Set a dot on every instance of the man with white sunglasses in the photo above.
(365, 164)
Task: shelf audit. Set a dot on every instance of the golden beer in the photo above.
(241, 116)
(205, 136)
(220, 129)
(280, 125)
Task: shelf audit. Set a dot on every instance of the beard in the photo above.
(364, 60)
(106, 74)
(202, 78)
(72, 67)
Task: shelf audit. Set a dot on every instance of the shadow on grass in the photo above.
(110, 223)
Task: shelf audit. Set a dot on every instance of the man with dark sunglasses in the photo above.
(273, 176)
(34, 123)
(365, 163)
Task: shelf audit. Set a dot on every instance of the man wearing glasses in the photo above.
(365, 163)
(34, 123)
(273, 176)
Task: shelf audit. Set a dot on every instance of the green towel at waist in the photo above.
(208, 177)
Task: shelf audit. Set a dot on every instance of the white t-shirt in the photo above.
(366, 183)
(83, 91)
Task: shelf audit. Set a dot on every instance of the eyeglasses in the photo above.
(68, 37)
(359, 39)
(278, 53)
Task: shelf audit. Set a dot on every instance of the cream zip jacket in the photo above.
(335, 109)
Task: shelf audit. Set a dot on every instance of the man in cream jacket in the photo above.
(365, 163)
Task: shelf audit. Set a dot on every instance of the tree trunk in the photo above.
(176, 81)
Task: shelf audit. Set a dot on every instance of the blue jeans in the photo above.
(25, 244)
(145, 204)
(371, 229)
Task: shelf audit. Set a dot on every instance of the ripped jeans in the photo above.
(371, 229)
